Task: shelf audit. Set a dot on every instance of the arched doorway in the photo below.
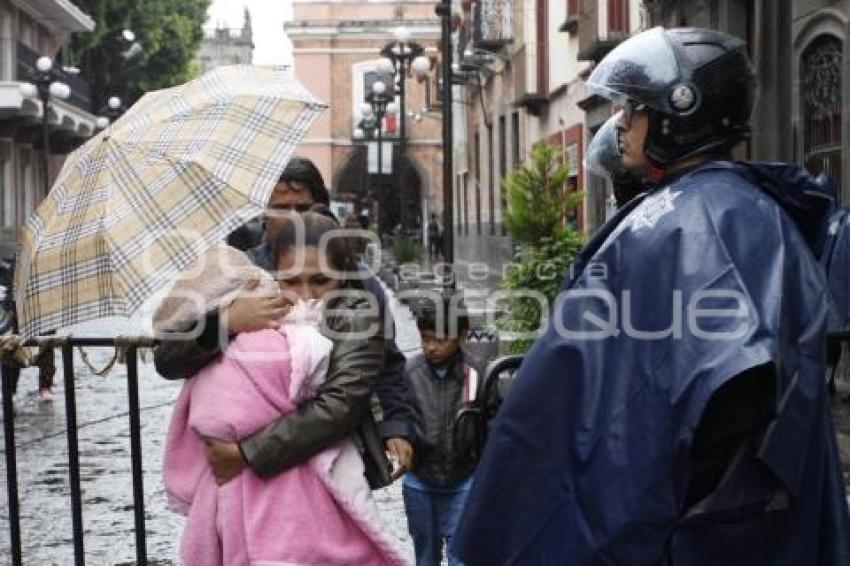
(395, 198)
(821, 90)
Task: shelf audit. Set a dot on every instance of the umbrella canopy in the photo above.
(147, 196)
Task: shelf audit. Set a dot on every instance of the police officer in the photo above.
(673, 411)
(603, 158)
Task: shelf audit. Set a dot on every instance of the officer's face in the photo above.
(632, 127)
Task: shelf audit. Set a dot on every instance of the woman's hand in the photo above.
(402, 452)
(225, 459)
(255, 312)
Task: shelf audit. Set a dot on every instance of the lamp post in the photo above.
(399, 57)
(379, 102)
(444, 10)
(403, 55)
(44, 86)
(365, 131)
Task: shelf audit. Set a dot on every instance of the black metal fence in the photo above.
(66, 345)
(494, 377)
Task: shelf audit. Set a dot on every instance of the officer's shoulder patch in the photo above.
(653, 209)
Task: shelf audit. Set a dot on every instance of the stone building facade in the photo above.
(532, 90)
(30, 29)
(336, 45)
(225, 46)
(527, 90)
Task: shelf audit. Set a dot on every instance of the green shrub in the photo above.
(536, 199)
(538, 268)
(537, 206)
(407, 250)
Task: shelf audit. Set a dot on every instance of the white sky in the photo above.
(267, 16)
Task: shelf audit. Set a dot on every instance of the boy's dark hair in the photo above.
(316, 224)
(302, 170)
(444, 315)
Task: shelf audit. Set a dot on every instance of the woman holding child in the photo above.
(285, 415)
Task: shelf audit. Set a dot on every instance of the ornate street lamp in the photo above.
(45, 85)
(365, 129)
(379, 101)
(400, 56)
(110, 113)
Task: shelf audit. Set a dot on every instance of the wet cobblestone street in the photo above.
(46, 529)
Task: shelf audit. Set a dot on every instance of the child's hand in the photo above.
(225, 459)
(252, 312)
(401, 451)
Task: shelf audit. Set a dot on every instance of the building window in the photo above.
(478, 182)
(572, 161)
(821, 89)
(26, 182)
(542, 47)
(493, 24)
(7, 47)
(503, 169)
(459, 211)
(465, 187)
(26, 31)
(618, 16)
(491, 181)
(7, 199)
(516, 154)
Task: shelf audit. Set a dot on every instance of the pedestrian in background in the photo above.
(357, 243)
(442, 382)
(435, 238)
(44, 359)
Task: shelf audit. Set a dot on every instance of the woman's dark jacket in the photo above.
(341, 407)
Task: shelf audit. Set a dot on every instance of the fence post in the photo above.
(73, 452)
(11, 464)
(136, 454)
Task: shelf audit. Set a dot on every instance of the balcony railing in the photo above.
(493, 28)
(80, 89)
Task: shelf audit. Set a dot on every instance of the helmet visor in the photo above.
(642, 68)
(603, 157)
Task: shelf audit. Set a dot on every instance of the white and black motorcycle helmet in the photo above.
(698, 86)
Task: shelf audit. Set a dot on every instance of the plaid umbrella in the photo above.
(143, 199)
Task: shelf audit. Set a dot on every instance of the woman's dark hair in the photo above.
(316, 228)
(302, 170)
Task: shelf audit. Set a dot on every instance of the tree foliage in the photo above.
(539, 268)
(168, 31)
(536, 199)
(537, 207)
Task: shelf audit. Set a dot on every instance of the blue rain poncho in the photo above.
(710, 275)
